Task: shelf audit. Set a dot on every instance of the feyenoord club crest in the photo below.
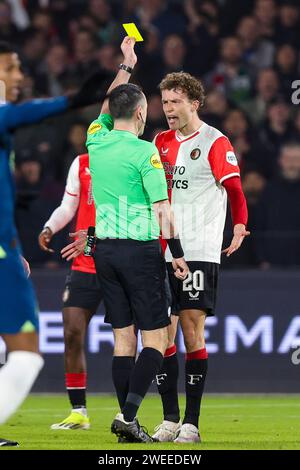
(66, 294)
(195, 154)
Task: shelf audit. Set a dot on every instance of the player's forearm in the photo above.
(63, 214)
(32, 111)
(122, 77)
(58, 220)
(237, 200)
(165, 218)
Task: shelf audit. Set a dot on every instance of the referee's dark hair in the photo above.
(124, 99)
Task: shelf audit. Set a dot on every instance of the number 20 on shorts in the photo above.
(194, 281)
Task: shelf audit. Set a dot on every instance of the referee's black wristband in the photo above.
(126, 68)
(175, 247)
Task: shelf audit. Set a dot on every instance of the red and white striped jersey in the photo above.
(79, 184)
(195, 168)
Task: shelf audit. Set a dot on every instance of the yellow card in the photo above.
(132, 31)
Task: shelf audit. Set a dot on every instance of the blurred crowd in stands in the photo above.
(246, 52)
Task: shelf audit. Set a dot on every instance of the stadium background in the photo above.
(247, 54)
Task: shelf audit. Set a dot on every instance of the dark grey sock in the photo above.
(147, 366)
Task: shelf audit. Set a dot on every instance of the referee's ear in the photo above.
(138, 111)
(139, 114)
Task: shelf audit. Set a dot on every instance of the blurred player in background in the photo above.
(18, 310)
(82, 293)
(201, 170)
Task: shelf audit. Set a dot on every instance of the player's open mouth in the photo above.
(172, 119)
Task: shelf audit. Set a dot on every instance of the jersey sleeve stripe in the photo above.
(70, 194)
(226, 177)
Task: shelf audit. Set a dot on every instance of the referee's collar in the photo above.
(127, 132)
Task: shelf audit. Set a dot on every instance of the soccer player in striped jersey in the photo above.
(202, 171)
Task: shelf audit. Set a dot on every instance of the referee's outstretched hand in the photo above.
(180, 267)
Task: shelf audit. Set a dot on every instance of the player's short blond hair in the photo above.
(185, 82)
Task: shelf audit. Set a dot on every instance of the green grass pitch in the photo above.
(227, 422)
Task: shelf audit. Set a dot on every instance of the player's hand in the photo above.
(26, 266)
(239, 233)
(75, 248)
(127, 47)
(180, 267)
(44, 239)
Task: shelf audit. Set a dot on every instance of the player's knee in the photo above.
(22, 342)
(190, 340)
(193, 340)
(157, 339)
(125, 350)
(73, 339)
(125, 343)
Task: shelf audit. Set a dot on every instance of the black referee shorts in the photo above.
(132, 276)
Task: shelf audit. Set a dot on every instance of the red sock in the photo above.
(171, 351)
(200, 354)
(76, 387)
(76, 380)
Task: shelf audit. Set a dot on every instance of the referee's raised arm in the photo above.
(125, 69)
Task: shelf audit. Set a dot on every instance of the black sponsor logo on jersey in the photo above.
(173, 169)
(195, 154)
(178, 184)
(179, 169)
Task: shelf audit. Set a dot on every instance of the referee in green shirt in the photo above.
(131, 200)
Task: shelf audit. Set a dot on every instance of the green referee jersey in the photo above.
(127, 178)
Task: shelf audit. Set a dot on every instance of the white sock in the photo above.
(81, 410)
(16, 379)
